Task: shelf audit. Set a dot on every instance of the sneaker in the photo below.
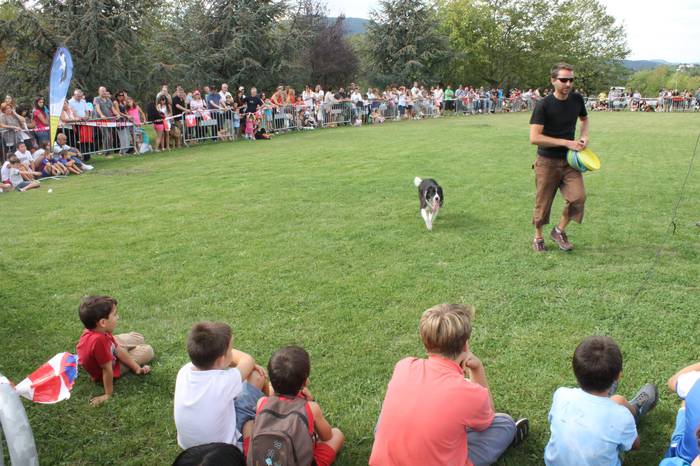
(561, 239)
(645, 399)
(538, 245)
(87, 167)
(522, 430)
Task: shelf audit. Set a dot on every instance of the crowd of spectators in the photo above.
(114, 124)
(667, 100)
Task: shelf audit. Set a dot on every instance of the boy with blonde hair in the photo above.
(439, 410)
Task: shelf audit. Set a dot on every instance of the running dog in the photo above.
(431, 199)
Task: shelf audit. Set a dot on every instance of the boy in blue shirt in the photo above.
(684, 440)
(590, 425)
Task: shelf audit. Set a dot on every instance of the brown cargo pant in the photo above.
(552, 174)
(135, 345)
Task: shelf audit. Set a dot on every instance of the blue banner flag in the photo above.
(61, 74)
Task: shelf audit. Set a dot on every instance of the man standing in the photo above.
(104, 109)
(552, 130)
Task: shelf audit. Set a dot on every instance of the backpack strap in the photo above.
(310, 418)
(263, 400)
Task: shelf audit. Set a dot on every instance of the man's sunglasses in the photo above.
(566, 80)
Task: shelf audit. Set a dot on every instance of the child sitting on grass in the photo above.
(590, 425)
(439, 411)
(26, 160)
(306, 436)
(41, 160)
(102, 354)
(64, 158)
(215, 393)
(377, 117)
(12, 176)
(684, 447)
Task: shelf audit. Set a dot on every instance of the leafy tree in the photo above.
(403, 43)
(25, 47)
(493, 39)
(513, 43)
(333, 60)
(307, 19)
(649, 82)
(102, 35)
(582, 33)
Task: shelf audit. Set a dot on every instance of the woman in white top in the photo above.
(308, 97)
(318, 100)
(402, 103)
(439, 97)
(328, 101)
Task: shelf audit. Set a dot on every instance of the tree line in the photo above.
(140, 44)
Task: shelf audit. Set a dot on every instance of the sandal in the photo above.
(538, 245)
(522, 430)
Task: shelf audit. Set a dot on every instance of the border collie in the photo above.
(431, 199)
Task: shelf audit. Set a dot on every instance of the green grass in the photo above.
(315, 239)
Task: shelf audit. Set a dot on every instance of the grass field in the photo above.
(315, 239)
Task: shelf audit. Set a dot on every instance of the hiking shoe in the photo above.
(645, 400)
(522, 430)
(538, 245)
(560, 238)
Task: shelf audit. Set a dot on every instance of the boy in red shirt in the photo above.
(439, 411)
(103, 355)
(317, 442)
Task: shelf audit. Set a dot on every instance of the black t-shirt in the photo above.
(559, 120)
(252, 103)
(153, 114)
(178, 101)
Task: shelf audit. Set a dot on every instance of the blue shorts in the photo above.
(677, 435)
(246, 404)
(22, 185)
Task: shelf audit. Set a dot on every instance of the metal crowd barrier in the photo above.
(644, 104)
(207, 125)
(101, 136)
(335, 114)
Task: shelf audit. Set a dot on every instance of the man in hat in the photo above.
(553, 130)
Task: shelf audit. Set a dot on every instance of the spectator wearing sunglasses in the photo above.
(553, 130)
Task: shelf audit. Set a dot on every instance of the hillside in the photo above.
(353, 26)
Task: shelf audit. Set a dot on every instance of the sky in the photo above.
(667, 30)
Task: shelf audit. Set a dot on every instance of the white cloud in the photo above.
(655, 30)
(353, 9)
(666, 30)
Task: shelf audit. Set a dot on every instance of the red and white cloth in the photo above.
(52, 382)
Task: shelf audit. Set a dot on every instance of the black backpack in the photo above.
(283, 433)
